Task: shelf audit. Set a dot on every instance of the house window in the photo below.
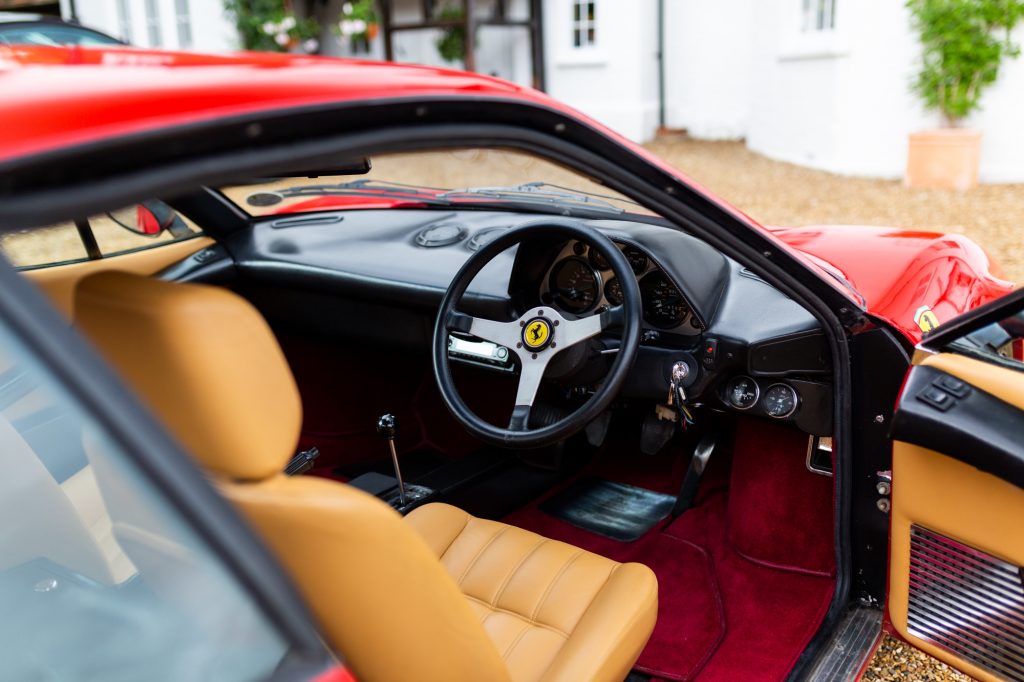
(819, 15)
(124, 21)
(584, 27)
(184, 22)
(153, 23)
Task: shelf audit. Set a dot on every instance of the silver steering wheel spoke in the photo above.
(502, 333)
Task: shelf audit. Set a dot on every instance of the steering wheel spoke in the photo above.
(501, 333)
(571, 332)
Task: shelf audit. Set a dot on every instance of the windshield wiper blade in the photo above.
(538, 192)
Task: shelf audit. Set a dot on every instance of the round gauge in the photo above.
(574, 286)
(742, 392)
(613, 291)
(637, 259)
(780, 401)
(597, 260)
(663, 304)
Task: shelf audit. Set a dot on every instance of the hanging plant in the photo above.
(963, 44)
(272, 26)
(359, 24)
(452, 43)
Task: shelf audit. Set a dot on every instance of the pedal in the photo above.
(302, 462)
(694, 473)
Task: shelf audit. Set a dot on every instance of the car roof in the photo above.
(59, 97)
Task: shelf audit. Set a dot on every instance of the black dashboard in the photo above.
(379, 275)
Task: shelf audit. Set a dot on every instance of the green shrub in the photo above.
(963, 43)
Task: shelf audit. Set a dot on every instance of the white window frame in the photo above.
(154, 31)
(566, 26)
(814, 29)
(183, 23)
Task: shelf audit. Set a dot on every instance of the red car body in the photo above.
(74, 101)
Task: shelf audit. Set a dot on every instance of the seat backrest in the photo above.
(210, 368)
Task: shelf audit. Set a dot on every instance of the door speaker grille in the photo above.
(967, 602)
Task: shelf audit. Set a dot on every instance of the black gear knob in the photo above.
(387, 426)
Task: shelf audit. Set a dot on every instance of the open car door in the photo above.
(957, 534)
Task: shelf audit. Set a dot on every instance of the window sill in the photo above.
(813, 50)
(581, 57)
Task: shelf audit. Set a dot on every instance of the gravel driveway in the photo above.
(776, 193)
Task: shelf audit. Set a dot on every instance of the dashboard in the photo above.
(580, 281)
(378, 276)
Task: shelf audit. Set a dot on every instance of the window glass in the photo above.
(140, 226)
(397, 180)
(584, 24)
(100, 577)
(118, 231)
(1001, 342)
(53, 36)
(43, 246)
(818, 15)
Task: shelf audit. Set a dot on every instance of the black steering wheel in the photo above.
(536, 337)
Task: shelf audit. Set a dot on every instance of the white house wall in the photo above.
(708, 55)
(615, 81)
(212, 30)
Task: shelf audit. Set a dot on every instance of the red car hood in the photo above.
(900, 272)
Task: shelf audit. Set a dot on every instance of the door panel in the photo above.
(957, 537)
(59, 281)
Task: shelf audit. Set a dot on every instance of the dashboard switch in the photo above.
(937, 398)
(710, 353)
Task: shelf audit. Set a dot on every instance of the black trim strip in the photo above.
(979, 429)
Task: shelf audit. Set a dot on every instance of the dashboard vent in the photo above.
(444, 234)
(967, 602)
(485, 237)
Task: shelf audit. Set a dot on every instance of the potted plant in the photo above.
(451, 44)
(963, 44)
(359, 24)
(271, 25)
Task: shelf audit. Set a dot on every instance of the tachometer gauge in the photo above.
(780, 401)
(613, 291)
(637, 259)
(574, 285)
(597, 260)
(663, 304)
(742, 392)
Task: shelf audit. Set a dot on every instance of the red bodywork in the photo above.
(61, 97)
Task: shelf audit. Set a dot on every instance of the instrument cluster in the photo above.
(581, 281)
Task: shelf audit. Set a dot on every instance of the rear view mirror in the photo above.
(148, 219)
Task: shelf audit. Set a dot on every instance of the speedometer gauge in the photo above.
(574, 286)
(663, 304)
(613, 291)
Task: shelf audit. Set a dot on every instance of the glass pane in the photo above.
(116, 237)
(1001, 342)
(392, 176)
(43, 246)
(100, 577)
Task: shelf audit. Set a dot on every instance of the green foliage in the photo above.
(452, 43)
(269, 25)
(963, 43)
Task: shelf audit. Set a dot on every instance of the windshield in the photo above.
(471, 178)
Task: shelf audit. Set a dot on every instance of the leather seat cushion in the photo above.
(554, 611)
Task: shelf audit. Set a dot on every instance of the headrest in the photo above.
(205, 361)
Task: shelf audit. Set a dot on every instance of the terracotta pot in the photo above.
(945, 158)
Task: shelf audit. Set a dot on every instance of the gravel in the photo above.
(777, 193)
(897, 661)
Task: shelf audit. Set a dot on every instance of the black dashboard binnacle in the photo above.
(749, 347)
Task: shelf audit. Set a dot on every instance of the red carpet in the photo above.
(721, 616)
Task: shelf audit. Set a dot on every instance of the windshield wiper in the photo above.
(542, 192)
(533, 195)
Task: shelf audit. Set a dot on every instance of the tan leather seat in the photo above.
(439, 595)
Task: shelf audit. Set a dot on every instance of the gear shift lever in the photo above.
(387, 427)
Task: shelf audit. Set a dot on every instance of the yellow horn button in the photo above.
(536, 334)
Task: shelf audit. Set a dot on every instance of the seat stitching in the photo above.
(551, 585)
(508, 578)
(498, 609)
(479, 554)
(456, 537)
(508, 650)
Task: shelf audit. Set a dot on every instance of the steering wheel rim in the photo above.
(571, 331)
